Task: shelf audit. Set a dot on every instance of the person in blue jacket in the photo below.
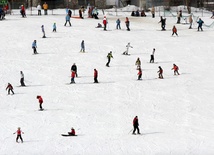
(54, 27)
(34, 46)
(118, 24)
(67, 18)
(200, 23)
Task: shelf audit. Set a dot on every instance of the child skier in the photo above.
(152, 56)
(19, 134)
(95, 76)
(138, 63)
(74, 68)
(139, 73)
(22, 78)
(10, 88)
(54, 27)
(104, 23)
(160, 72)
(109, 56)
(43, 31)
(135, 125)
(175, 68)
(127, 49)
(174, 30)
(67, 19)
(200, 23)
(72, 76)
(40, 101)
(82, 46)
(34, 46)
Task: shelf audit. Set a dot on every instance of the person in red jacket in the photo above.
(95, 76)
(175, 68)
(174, 31)
(139, 73)
(73, 73)
(72, 133)
(19, 134)
(104, 22)
(136, 124)
(127, 23)
(40, 101)
(23, 11)
(160, 72)
(10, 88)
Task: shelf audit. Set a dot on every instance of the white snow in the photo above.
(175, 114)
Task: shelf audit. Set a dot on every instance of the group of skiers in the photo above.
(127, 23)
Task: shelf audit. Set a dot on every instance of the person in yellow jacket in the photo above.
(45, 7)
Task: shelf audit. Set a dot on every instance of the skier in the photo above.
(160, 72)
(34, 46)
(190, 22)
(152, 56)
(109, 56)
(54, 27)
(175, 68)
(74, 68)
(104, 23)
(23, 11)
(127, 49)
(67, 19)
(22, 79)
(82, 46)
(45, 7)
(19, 134)
(163, 23)
(127, 23)
(10, 88)
(40, 101)
(139, 73)
(43, 31)
(39, 9)
(138, 63)
(72, 76)
(95, 76)
(136, 124)
(118, 24)
(200, 23)
(174, 31)
(72, 133)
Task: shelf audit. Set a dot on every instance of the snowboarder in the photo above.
(22, 78)
(152, 56)
(127, 23)
(127, 49)
(160, 75)
(109, 56)
(95, 76)
(67, 19)
(82, 46)
(34, 46)
(200, 23)
(40, 101)
(19, 134)
(10, 88)
(163, 23)
(175, 68)
(74, 68)
(136, 124)
(72, 76)
(174, 31)
(139, 73)
(39, 8)
(72, 133)
(105, 23)
(45, 7)
(43, 31)
(118, 24)
(190, 22)
(54, 27)
(138, 63)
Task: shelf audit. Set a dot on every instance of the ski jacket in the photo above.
(109, 56)
(40, 99)
(104, 21)
(160, 70)
(118, 21)
(39, 7)
(22, 8)
(138, 62)
(45, 6)
(73, 131)
(82, 44)
(174, 29)
(95, 73)
(200, 22)
(73, 74)
(54, 26)
(19, 132)
(22, 75)
(127, 21)
(34, 44)
(175, 68)
(9, 86)
(135, 122)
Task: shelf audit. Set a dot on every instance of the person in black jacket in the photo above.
(136, 124)
(74, 68)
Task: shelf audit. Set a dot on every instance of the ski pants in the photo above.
(68, 22)
(34, 50)
(95, 80)
(19, 136)
(136, 128)
(10, 90)
(139, 76)
(107, 64)
(152, 59)
(22, 82)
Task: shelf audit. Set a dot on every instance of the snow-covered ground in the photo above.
(175, 114)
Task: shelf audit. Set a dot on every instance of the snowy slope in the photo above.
(175, 114)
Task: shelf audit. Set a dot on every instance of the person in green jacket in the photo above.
(109, 56)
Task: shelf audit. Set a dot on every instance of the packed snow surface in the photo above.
(175, 113)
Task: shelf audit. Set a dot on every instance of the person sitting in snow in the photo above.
(72, 133)
(99, 25)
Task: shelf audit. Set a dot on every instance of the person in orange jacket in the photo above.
(19, 134)
(174, 30)
(45, 7)
(175, 68)
(40, 101)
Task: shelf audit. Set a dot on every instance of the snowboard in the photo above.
(66, 135)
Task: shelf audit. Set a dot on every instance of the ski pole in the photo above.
(130, 131)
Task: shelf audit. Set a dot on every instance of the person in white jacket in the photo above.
(127, 49)
(39, 10)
